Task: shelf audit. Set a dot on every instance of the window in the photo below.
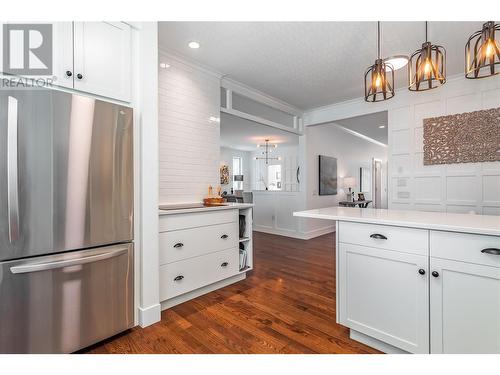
(237, 170)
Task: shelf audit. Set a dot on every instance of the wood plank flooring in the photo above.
(286, 305)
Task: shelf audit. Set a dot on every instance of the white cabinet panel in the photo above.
(383, 295)
(63, 54)
(102, 58)
(465, 307)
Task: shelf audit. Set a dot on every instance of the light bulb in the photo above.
(378, 81)
(427, 66)
(490, 48)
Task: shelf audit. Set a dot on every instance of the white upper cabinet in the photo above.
(102, 54)
(62, 67)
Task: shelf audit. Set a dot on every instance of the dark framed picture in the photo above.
(327, 175)
(361, 197)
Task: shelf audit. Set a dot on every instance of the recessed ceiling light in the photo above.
(397, 61)
(381, 126)
(194, 45)
(164, 65)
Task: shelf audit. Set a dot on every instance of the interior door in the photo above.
(102, 58)
(465, 308)
(384, 295)
(62, 303)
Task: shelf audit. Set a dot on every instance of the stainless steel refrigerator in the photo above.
(66, 221)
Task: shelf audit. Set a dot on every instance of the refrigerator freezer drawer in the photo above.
(65, 302)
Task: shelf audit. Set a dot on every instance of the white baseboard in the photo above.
(198, 292)
(374, 343)
(318, 232)
(149, 315)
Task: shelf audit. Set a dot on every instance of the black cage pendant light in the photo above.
(427, 67)
(482, 53)
(379, 78)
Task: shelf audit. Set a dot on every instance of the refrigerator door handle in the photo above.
(36, 267)
(12, 171)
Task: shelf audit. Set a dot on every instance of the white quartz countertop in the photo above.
(467, 223)
(226, 206)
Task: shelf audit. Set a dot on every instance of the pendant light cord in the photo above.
(378, 39)
(426, 38)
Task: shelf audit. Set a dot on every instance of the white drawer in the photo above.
(197, 219)
(408, 240)
(465, 247)
(190, 274)
(187, 243)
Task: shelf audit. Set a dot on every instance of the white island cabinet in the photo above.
(417, 282)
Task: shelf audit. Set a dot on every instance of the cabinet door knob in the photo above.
(79, 76)
(224, 236)
(178, 245)
(225, 264)
(378, 236)
(69, 73)
(178, 278)
(435, 273)
(491, 251)
(421, 271)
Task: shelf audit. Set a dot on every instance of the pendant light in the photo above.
(427, 67)
(485, 55)
(379, 78)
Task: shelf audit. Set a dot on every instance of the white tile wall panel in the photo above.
(188, 140)
(463, 187)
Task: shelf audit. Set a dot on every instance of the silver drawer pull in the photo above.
(225, 264)
(491, 251)
(178, 245)
(178, 278)
(378, 236)
(224, 236)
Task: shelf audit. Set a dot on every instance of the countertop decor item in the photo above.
(482, 52)
(379, 78)
(462, 138)
(427, 67)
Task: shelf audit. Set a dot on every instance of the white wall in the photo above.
(188, 140)
(351, 152)
(468, 187)
(226, 158)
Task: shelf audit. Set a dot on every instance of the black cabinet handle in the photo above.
(178, 245)
(491, 251)
(224, 236)
(435, 273)
(69, 73)
(378, 236)
(421, 271)
(79, 76)
(225, 264)
(178, 278)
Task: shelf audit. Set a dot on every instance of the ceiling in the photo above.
(308, 64)
(241, 134)
(368, 125)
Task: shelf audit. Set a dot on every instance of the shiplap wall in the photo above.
(464, 188)
(189, 141)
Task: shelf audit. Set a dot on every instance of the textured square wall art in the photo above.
(463, 138)
(327, 175)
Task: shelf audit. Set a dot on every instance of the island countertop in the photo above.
(452, 222)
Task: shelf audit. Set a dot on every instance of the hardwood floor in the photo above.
(286, 305)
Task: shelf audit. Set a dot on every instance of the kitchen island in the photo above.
(417, 282)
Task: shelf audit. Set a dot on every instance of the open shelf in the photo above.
(246, 240)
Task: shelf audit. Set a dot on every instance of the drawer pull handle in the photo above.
(178, 245)
(378, 236)
(435, 273)
(491, 251)
(178, 278)
(224, 236)
(421, 271)
(225, 264)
